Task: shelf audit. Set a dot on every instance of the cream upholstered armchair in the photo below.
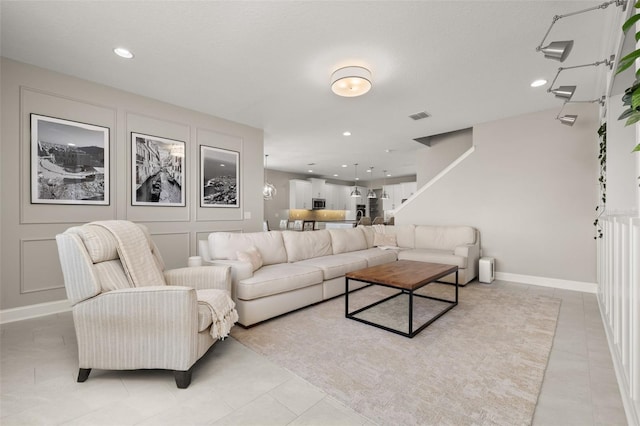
(169, 323)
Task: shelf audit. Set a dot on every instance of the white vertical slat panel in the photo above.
(634, 298)
(625, 306)
(619, 298)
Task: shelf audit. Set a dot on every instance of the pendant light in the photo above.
(384, 195)
(268, 190)
(371, 193)
(356, 192)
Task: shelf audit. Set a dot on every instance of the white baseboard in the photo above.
(548, 282)
(34, 311)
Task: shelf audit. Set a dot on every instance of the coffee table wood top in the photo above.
(403, 274)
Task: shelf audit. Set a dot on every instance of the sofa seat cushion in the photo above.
(433, 256)
(335, 265)
(375, 256)
(275, 279)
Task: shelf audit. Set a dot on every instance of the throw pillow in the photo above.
(251, 255)
(388, 240)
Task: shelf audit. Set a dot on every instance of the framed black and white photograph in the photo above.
(219, 177)
(157, 171)
(69, 162)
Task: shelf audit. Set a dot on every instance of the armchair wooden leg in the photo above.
(183, 378)
(83, 374)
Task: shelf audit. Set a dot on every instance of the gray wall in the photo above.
(30, 270)
(278, 207)
(443, 151)
(530, 187)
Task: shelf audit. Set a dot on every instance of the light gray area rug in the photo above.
(482, 363)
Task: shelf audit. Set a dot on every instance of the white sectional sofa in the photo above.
(297, 269)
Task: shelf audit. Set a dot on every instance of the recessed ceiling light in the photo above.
(389, 175)
(123, 53)
(357, 178)
(539, 82)
(347, 133)
(310, 171)
(335, 175)
(71, 144)
(344, 165)
(368, 170)
(387, 150)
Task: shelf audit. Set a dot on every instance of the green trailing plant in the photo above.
(631, 97)
(602, 179)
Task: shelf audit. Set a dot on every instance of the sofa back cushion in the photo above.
(405, 234)
(306, 244)
(346, 240)
(443, 237)
(225, 245)
(369, 234)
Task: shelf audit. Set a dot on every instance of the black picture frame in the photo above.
(69, 162)
(157, 171)
(219, 177)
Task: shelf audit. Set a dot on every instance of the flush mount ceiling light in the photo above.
(351, 81)
(123, 53)
(566, 92)
(347, 133)
(559, 50)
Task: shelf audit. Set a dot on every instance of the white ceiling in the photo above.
(268, 64)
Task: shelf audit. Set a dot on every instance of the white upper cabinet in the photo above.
(318, 188)
(300, 194)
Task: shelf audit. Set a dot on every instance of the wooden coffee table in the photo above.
(406, 276)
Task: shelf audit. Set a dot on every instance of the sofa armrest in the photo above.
(141, 322)
(201, 277)
(472, 253)
(239, 270)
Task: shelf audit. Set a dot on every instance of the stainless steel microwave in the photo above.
(319, 203)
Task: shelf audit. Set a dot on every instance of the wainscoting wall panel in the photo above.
(232, 143)
(166, 129)
(34, 101)
(619, 299)
(174, 248)
(30, 274)
(39, 265)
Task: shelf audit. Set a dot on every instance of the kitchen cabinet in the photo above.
(397, 193)
(300, 194)
(318, 188)
(335, 196)
(341, 195)
(389, 203)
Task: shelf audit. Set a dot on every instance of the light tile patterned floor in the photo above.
(232, 385)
